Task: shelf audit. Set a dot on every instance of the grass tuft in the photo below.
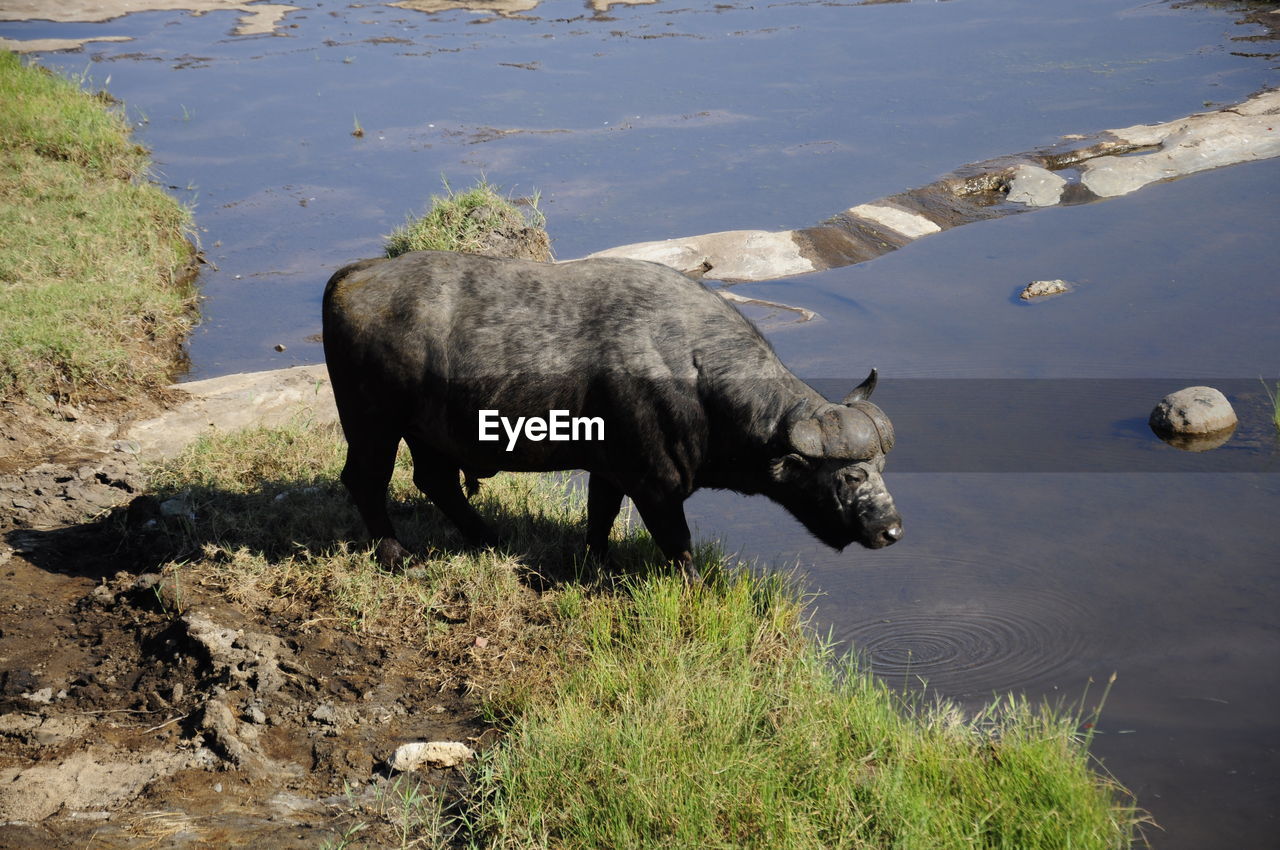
(478, 221)
(1273, 399)
(94, 296)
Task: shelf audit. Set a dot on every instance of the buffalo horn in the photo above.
(863, 390)
(836, 431)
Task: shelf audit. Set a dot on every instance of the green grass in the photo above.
(478, 221)
(93, 299)
(1273, 399)
(709, 717)
(637, 710)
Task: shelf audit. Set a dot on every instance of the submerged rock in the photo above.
(1044, 288)
(1188, 145)
(1035, 186)
(1194, 419)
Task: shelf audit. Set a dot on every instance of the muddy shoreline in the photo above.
(136, 706)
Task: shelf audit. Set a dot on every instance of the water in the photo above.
(1040, 583)
(653, 121)
(1050, 538)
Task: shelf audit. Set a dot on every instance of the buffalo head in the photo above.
(831, 480)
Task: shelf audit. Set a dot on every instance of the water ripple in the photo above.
(972, 640)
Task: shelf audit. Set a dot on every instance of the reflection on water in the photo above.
(672, 118)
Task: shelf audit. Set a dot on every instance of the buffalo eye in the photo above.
(853, 477)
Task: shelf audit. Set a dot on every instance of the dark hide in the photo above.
(691, 395)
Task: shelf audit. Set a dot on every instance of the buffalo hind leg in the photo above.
(604, 500)
(439, 481)
(667, 526)
(370, 461)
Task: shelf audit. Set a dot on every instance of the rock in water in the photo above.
(1193, 412)
(1043, 288)
(1035, 186)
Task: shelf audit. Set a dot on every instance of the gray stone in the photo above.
(910, 224)
(177, 508)
(44, 695)
(1193, 411)
(1043, 288)
(146, 581)
(430, 754)
(325, 713)
(725, 255)
(1035, 186)
(1188, 145)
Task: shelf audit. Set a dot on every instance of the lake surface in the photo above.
(1050, 538)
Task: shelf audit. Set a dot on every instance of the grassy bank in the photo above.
(706, 717)
(93, 300)
(636, 710)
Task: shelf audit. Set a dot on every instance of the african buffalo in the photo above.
(437, 348)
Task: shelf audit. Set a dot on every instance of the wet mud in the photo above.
(141, 710)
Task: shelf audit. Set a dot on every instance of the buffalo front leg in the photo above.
(439, 481)
(604, 500)
(667, 526)
(371, 458)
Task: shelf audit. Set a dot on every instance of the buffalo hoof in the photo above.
(691, 573)
(392, 556)
(480, 542)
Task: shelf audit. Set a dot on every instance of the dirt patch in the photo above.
(141, 709)
(507, 235)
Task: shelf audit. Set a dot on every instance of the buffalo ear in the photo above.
(863, 390)
(790, 468)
